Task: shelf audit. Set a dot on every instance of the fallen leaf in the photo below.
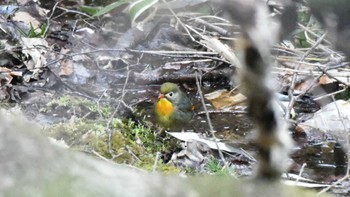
(66, 68)
(26, 18)
(35, 48)
(221, 99)
(324, 79)
(304, 84)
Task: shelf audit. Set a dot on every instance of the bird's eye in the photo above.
(171, 94)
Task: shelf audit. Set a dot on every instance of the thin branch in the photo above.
(109, 131)
(178, 19)
(49, 18)
(208, 118)
(330, 94)
(292, 86)
(300, 173)
(156, 162)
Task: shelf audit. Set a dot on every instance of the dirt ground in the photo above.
(91, 83)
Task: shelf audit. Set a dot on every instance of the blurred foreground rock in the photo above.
(31, 166)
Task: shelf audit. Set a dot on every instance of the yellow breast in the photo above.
(164, 107)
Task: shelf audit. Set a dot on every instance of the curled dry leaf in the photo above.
(325, 80)
(221, 99)
(66, 67)
(194, 155)
(6, 75)
(304, 84)
(36, 48)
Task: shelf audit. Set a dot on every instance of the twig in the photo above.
(225, 51)
(292, 86)
(156, 162)
(216, 17)
(113, 163)
(70, 11)
(178, 19)
(331, 76)
(132, 153)
(49, 18)
(101, 157)
(109, 132)
(312, 33)
(300, 173)
(226, 111)
(330, 94)
(98, 103)
(208, 118)
(195, 54)
(211, 26)
(334, 184)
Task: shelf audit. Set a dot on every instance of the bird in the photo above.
(173, 108)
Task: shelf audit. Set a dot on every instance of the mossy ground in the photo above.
(131, 142)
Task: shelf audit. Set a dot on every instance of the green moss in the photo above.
(345, 95)
(167, 169)
(120, 147)
(62, 101)
(130, 143)
(7, 105)
(102, 109)
(74, 134)
(134, 142)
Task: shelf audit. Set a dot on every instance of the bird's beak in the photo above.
(161, 96)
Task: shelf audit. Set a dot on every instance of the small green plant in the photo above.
(143, 135)
(215, 167)
(33, 34)
(98, 11)
(135, 9)
(134, 142)
(345, 95)
(61, 101)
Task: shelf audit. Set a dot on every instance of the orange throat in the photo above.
(164, 107)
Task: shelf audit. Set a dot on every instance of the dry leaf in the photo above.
(304, 84)
(66, 68)
(222, 98)
(26, 18)
(35, 48)
(325, 80)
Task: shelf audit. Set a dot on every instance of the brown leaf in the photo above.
(26, 18)
(325, 80)
(304, 84)
(223, 99)
(66, 68)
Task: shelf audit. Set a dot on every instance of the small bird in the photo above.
(173, 108)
